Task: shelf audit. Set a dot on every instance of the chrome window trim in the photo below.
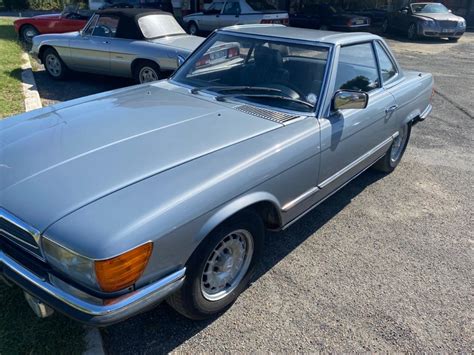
(394, 78)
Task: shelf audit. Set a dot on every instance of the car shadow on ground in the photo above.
(162, 329)
(75, 85)
(400, 37)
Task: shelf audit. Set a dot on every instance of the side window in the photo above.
(216, 7)
(387, 67)
(90, 26)
(232, 8)
(106, 26)
(357, 68)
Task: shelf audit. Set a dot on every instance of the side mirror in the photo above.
(345, 99)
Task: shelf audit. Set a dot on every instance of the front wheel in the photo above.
(27, 33)
(221, 267)
(411, 34)
(54, 65)
(385, 26)
(394, 155)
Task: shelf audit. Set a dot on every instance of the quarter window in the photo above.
(90, 26)
(357, 68)
(387, 67)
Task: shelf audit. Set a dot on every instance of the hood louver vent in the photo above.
(267, 114)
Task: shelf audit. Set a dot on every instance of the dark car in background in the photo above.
(327, 17)
(164, 5)
(425, 19)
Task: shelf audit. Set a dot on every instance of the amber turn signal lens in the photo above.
(123, 270)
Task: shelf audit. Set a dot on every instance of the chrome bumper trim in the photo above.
(114, 311)
(426, 112)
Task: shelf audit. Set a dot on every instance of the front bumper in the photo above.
(83, 309)
(439, 32)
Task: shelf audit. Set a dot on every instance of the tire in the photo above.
(146, 72)
(193, 29)
(385, 26)
(394, 155)
(197, 299)
(411, 33)
(453, 39)
(27, 33)
(54, 65)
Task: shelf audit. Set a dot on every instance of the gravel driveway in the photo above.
(384, 265)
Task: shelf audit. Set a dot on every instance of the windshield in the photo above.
(259, 5)
(153, 26)
(429, 8)
(276, 73)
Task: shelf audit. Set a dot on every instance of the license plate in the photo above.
(446, 30)
(218, 55)
(279, 22)
(359, 22)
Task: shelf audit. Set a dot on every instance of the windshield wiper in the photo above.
(279, 97)
(235, 88)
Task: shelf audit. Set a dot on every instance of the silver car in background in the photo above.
(135, 43)
(222, 13)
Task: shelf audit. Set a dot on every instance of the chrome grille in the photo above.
(18, 232)
(274, 116)
(448, 24)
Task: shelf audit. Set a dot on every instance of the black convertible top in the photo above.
(128, 26)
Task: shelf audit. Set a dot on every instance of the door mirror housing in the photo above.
(346, 99)
(404, 10)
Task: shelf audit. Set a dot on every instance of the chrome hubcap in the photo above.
(53, 65)
(193, 30)
(227, 265)
(29, 34)
(147, 74)
(398, 144)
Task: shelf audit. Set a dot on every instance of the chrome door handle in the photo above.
(391, 109)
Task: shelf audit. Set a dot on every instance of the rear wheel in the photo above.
(54, 65)
(27, 33)
(394, 155)
(146, 72)
(221, 267)
(193, 28)
(411, 34)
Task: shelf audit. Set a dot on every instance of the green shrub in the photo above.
(15, 4)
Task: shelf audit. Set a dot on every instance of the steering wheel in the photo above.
(287, 89)
(104, 31)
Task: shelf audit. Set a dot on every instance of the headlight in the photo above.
(462, 23)
(109, 275)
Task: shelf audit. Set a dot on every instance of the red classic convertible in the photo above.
(67, 21)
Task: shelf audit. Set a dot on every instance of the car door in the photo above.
(351, 139)
(230, 14)
(91, 51)
(210, 20)
(69, 23)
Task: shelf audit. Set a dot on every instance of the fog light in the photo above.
(40, 309)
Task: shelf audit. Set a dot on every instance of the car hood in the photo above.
(185, 41)
(65, 157)
(439, 17)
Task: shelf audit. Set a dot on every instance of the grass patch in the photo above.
(21, 332)
(11, 95)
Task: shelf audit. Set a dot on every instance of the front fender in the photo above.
(226, 211)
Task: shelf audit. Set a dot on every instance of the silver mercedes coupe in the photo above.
(135, 43)
(114, 202)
